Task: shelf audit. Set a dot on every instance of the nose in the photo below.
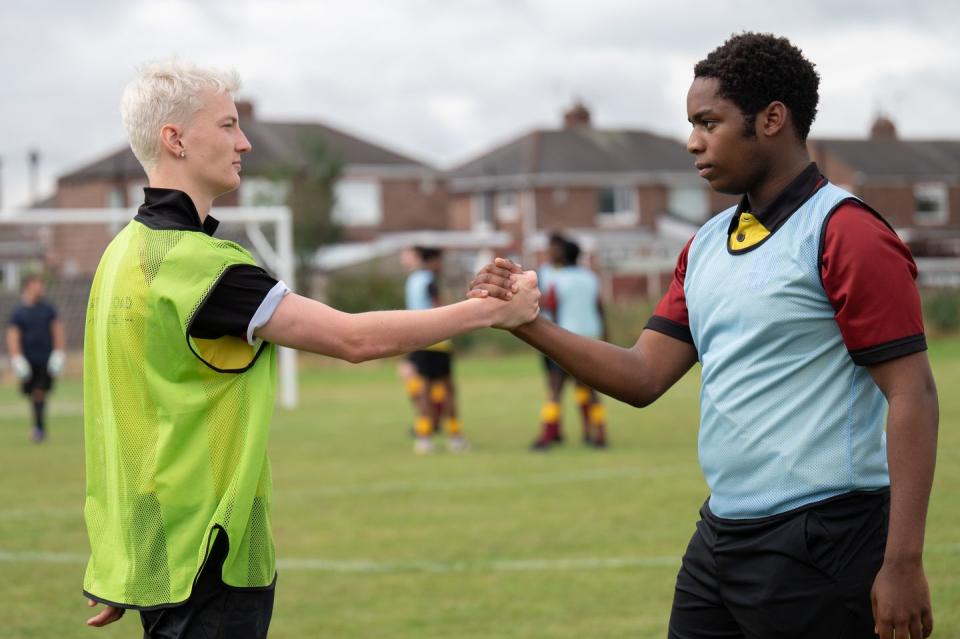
(243, 144)
(694, 143)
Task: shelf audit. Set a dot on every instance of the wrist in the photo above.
(903, 559)
(482, 312)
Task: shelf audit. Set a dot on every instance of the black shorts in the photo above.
(214, 610)
(805, 573)
(431, 364)
(40, 379)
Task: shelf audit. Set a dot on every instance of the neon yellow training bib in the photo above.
(175, 427)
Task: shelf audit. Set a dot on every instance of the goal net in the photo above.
(65, 245)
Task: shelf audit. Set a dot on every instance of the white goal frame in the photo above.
(278, 256)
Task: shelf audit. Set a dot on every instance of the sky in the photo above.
(444, 80)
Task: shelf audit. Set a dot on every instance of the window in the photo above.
(135, 192)
(507, 206)
(115, 198)
(482, 211)
(616, 206)
(263, 192)
(930, 203)
(689, 202)
(358, 203)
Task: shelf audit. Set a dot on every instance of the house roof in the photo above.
(275, 144)
(896, 157)
(579, 150)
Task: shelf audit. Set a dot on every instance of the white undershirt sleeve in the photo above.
(266, 309)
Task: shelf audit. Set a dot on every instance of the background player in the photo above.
(36, 343)
(572, 298)
(432, 389)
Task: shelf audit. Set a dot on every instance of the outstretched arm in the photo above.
(637, 375)
(901, 596)
(306, 324)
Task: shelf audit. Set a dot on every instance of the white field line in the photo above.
(394, 567)
(307, 564)
(391, 487)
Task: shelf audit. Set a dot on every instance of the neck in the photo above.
(778, 176)
(201, 199)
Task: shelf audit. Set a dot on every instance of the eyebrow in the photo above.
(699, 115)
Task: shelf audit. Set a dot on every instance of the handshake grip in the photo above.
(524, 305)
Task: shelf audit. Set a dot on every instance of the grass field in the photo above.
(375, 542)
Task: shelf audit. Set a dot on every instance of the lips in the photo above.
(703, 169)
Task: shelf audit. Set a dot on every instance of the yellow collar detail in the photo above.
(749, 232)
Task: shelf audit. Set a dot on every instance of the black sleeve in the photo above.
(232, 303)
(434, 292)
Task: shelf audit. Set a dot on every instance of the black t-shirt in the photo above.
(36, 336)
(232, 303)
(235, 299)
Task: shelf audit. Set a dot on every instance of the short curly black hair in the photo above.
(755, 69)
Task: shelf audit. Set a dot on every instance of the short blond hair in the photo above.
(168, 92)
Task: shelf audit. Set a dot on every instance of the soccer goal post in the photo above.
(65, 245)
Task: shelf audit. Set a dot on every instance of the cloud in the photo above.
(444, 79)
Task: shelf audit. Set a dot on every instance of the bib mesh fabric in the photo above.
(786, 417)
(175, 429)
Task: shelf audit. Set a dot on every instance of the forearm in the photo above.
(625, 374)
(59, 336)
(386, 333)
(13, 342)
(911, 452)
(308, 325)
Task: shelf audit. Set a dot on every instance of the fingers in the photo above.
(926, 618)
(106, 616)
(506, 282)
(916, 628)
(91, 603)
(504, 263)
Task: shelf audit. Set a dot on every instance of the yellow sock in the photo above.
(453, 427)
(582, 394)
(414, 386)
(438, 393)
(598, 415)
(550, 413)
(423, 426)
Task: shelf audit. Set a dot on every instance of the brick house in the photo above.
(379, 189)
(915, 184)
(632, 198)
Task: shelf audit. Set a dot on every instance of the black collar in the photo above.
(786, 203)
(172, 210)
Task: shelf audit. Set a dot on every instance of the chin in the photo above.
(721, 186)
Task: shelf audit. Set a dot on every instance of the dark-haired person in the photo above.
(35, 344)
(572, 294)
(432, 388)
(801, 306)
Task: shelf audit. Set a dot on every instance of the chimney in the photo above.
(883, 129)
(244, 110)
(33, 174)
(578, 116)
